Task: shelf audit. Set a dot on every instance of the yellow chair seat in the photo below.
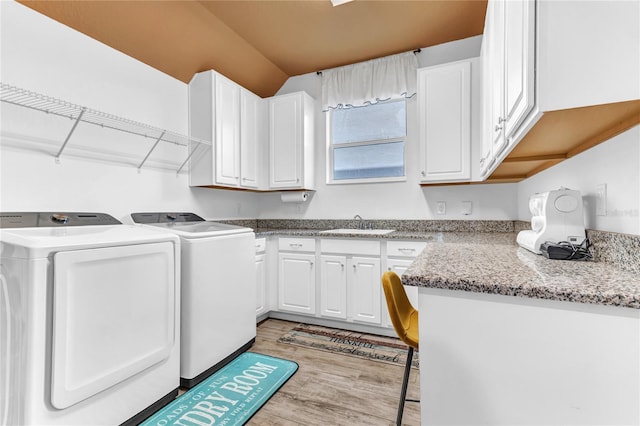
(411, 337)
(403, 315)
(404, 318)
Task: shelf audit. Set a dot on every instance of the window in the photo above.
(366, 144)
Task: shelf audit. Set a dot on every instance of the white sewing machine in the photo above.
(557, 216)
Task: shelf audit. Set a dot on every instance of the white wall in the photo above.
(404, 200)
(615, 163)
(46, 57)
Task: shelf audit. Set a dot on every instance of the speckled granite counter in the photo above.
(491, 262)
(506, 269)
(435, 236)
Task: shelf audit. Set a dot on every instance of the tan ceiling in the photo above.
(260, 43)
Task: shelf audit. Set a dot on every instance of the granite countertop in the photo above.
(510, 270)
(492, 262)
(435, 236)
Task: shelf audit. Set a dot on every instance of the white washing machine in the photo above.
(89, 319)
(218, 291)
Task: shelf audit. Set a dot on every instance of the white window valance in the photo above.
(366, 83)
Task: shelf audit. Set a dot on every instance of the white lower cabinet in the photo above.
(365, 289)
(333, 286)
(400, 254)
(347, 285)
(297, 275)
(350, 286)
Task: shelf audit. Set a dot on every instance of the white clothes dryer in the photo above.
(89, 319)
(218, 291)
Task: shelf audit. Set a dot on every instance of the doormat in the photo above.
(369, 346)
(230, 396)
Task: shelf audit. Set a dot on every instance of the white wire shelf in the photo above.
(80, 114)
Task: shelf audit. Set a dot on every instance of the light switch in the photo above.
(465, 208)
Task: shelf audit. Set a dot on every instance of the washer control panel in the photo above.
(52, 219)
(165, 217)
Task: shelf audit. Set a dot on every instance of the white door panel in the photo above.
(113, 316)
(285, 136)
(297, 285)
(227, 129)
(218, 293)
(333, 286)
(365, 289)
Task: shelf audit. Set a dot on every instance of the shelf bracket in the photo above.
(73, 129)
(187, 159)
(151, 150)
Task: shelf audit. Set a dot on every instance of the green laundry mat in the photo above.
(230, 396)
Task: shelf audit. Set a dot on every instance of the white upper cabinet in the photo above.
(508, 74)
(444, 111)
(486, 140)
(588, 53)
(232, 118)
(519, 49)
(226, 95)
(496, 42)
(253, 136)
(291, 134)
(546, 56)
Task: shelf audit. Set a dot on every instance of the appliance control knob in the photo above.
(172, 217)
(60, 218)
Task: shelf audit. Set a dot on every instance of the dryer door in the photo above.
(113, 316)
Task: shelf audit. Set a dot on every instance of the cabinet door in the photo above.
(364, 289)
(261, 281)
(201, 125)
(285, 141)
(297, 283)
(496, 70)
(251, 132)
(518, 63)
(445, 122)
(486, 134)
(399, 266)
(227, 131)
(333, 286)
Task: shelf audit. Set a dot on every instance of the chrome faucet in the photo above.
(362, 224)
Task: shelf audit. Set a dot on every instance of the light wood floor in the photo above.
(332, 389)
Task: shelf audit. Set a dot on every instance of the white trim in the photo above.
(368, 180)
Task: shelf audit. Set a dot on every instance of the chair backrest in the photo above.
(402, 314)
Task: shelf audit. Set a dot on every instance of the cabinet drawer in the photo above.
(405, 248)
(350, 246)
(261, 245)
(297, 244)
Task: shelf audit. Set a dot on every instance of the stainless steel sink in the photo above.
(358, 231)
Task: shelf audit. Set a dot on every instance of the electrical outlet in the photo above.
(601, 199)
(441, 207)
